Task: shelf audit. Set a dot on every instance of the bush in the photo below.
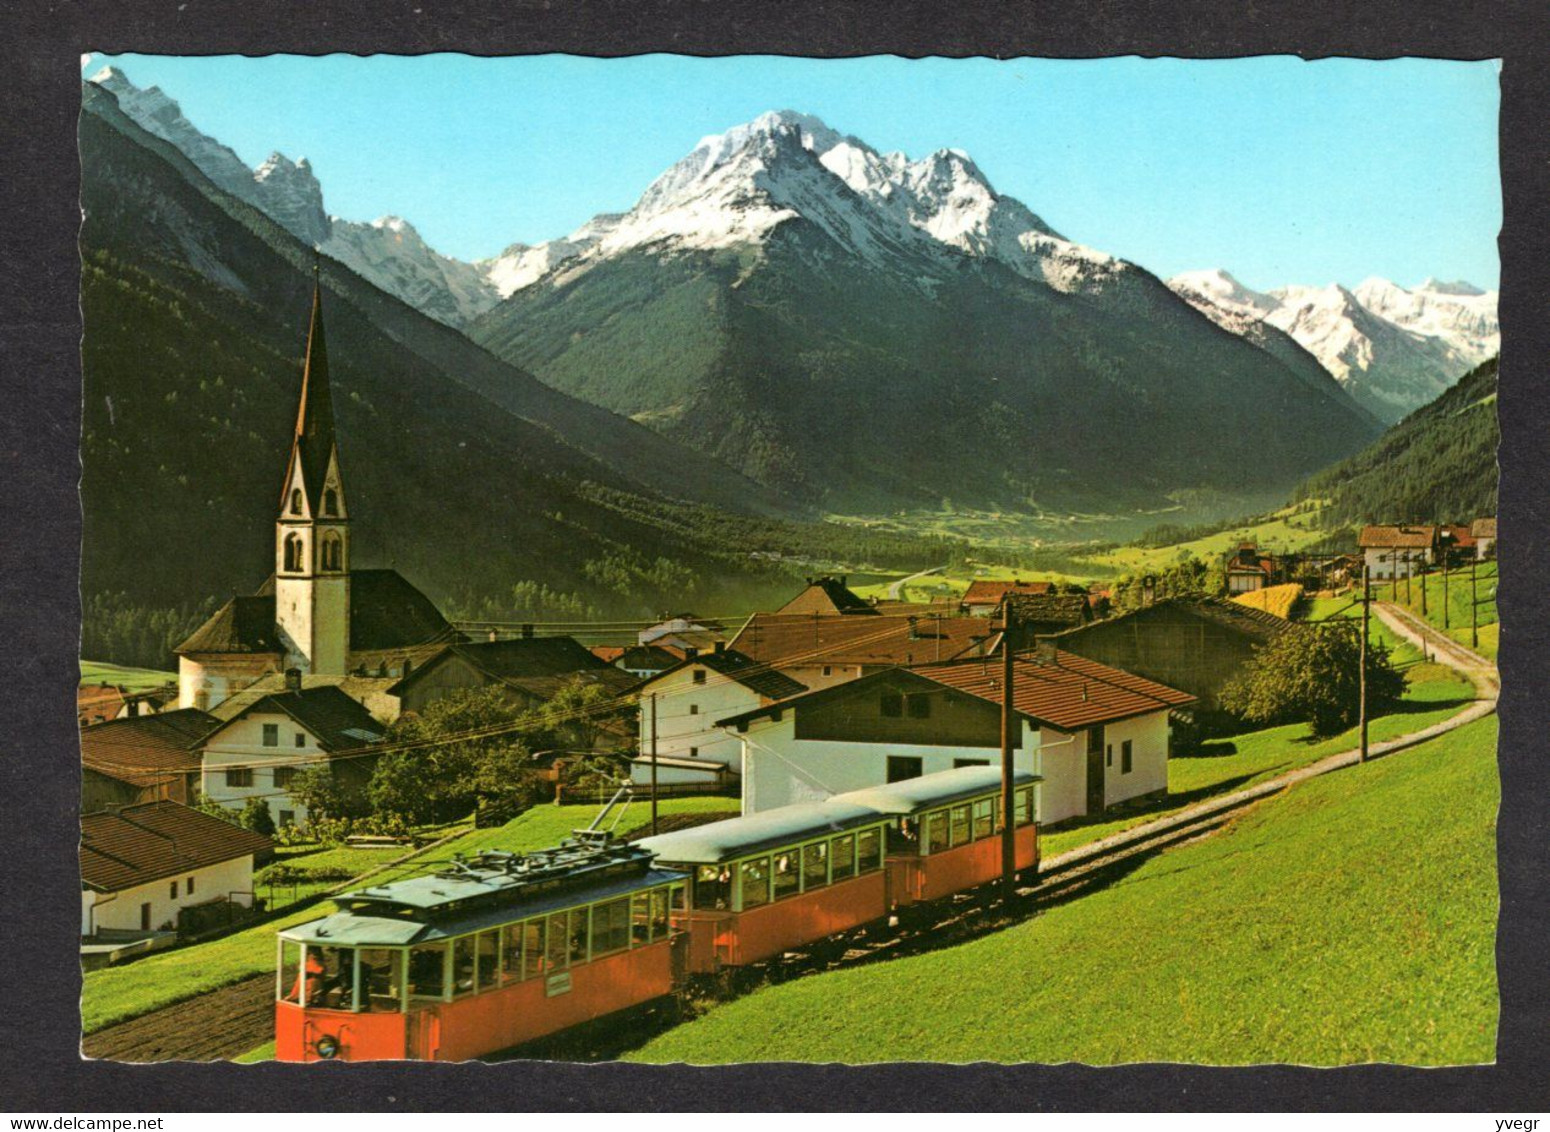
(1311, 674)
(256, 816)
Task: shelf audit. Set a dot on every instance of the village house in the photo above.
(819, 652)
(828, 596)
(143, 759)
(1097, 735)
(983, 598)
(144, 867)
(1194, 644)
(683, 631)
(1249, 570)
(528, 670)
(261, 750)
(1483, 531)
(1047, 613)
(317, 613)
(679, 709)
(640, 661)
(1391, 552)
(99, 703)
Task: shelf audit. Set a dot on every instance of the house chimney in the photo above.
(1084, 691)
(494, 636)
(719, 647)
(293, 679)
(527, 632)
(1044, 649)
(690, 652)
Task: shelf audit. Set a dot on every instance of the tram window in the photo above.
(532, 948)
(580, 932)
(1021, 805)
(843, 853)
(611, 926)
(869, 850)
(659, 901)
(904, 837)
(785, 874)
(815, 865)
(678, 898)
(427, 970)
(961, 824)
(557, 950)
(937, 838)
(712, 887)
(463, 957)
(382, 975)
(984, 818)
(488, 952)
(511, 953)
(640, 919)
(290, 970)
(755, 882)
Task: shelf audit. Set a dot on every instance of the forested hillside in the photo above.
(1439, 463)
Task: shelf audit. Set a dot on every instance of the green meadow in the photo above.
(1351, 919)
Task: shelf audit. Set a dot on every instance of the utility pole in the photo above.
(1361, 710)
(1423, 585)
(1008, 721)
(653, 764)
(1445, 587)
(1474, 608)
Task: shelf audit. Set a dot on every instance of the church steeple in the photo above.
(312, 580)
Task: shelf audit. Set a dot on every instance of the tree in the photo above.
(576, 715)
(319, 791)
(256, 816)
(1311, 674)
(448, 777)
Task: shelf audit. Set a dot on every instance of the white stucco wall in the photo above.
(816, 676)
(687, 714)
(122, 910)
(779, 770)
(1390, 562)
(242, 744)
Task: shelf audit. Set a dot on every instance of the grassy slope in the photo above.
(1285, 531)
(1263, 944)
(1457, 603)
(118, 993)
(134, 679)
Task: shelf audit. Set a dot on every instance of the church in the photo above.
(316, 617)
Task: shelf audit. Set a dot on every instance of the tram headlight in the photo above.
(327, 1047)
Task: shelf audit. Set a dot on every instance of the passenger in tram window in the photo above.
(308, 985)
(785, 875)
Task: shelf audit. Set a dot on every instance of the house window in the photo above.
(271, 734)
(239, 776)
(301, 738)
(1108, 758)
(694, 709)
(892, 705)
(172, 891)
(919, 705)
(828, 670)
(694, 752)
(699, 676)
(287, 817)
(145, 917)
(1125, 757)
(284, 776)
(901, 767)
(188, 887)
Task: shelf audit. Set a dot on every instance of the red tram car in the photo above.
(487, 954)
(779, 880)
(504, 948)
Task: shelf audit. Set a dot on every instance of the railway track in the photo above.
(240, 1017)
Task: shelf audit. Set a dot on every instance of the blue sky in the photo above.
(1280, 170)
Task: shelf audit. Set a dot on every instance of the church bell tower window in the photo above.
(330, 502)
(332, 545)
(296, 501)
(295, 555)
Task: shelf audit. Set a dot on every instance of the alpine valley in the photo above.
(786, 322)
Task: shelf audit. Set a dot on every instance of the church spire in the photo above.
(314, 440)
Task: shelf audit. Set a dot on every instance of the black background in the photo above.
(40, 537)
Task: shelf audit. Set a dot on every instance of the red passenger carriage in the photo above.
(487, 954)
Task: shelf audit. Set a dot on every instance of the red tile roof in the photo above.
(139, 844)
(827, 595)
(1402, 537)
(991, 593)
(1483, 528)
(783, 640)
(1069, 692)
(97, 703)
(147, 749)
